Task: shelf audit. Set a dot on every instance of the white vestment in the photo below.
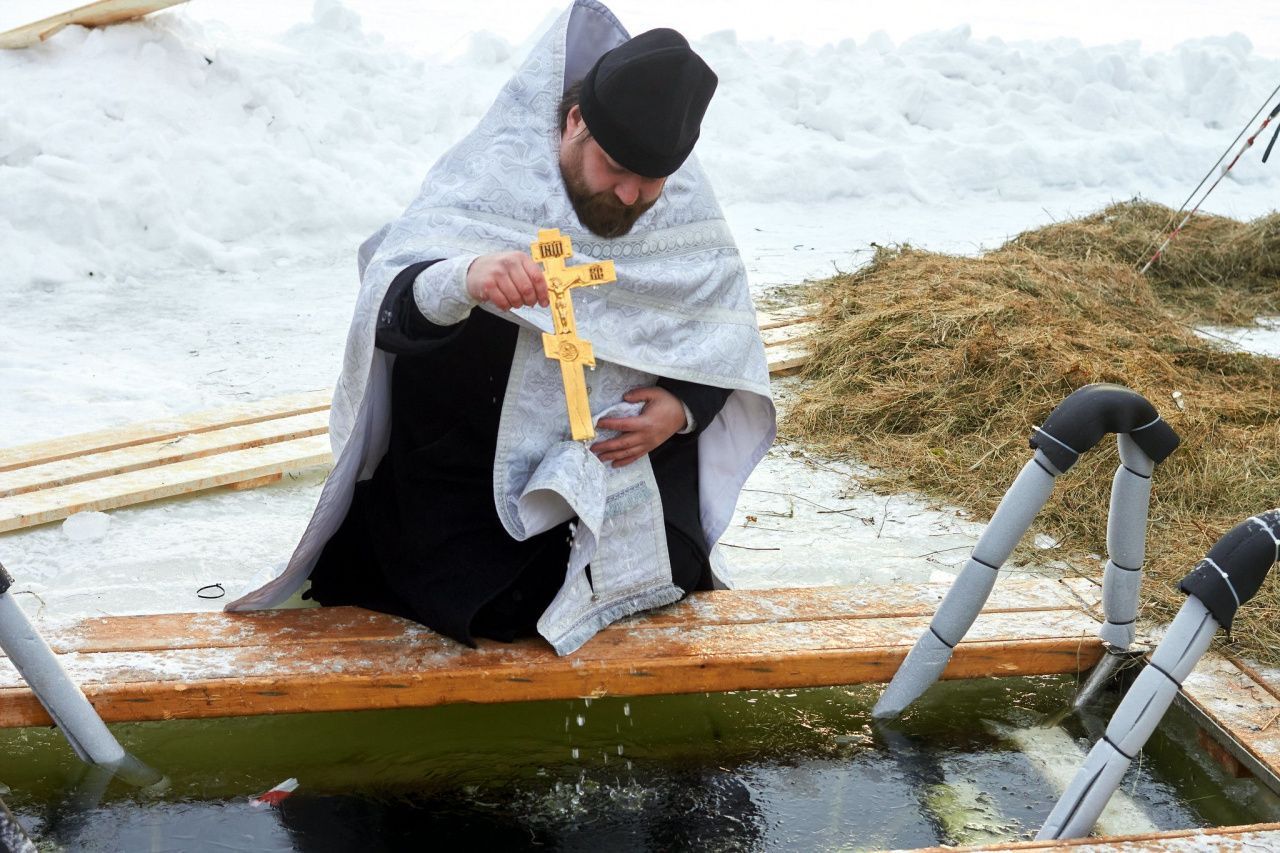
(680, 308)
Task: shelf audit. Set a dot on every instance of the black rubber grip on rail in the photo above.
(1235, 566)
(1080, 422)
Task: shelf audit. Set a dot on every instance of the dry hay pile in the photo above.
(1218, 269)
(934, 369)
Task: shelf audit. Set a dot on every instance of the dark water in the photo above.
(767, 770)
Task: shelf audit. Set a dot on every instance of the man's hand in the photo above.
(661, 418)
(507, 280)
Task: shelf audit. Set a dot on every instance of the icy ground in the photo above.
(180, 200)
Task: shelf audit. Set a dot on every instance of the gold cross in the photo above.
(565, 346)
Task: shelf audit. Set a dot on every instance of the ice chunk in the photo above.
(86, 526)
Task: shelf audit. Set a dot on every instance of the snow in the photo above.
(1264, 338)
(181, 197)
(86, 526)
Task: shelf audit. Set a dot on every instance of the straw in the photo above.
(934, 369)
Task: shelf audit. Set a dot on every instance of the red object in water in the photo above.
(276, 794)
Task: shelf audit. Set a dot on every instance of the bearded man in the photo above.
(457, 498)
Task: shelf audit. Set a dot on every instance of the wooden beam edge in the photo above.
(64, 641)
(1270, 831)
(174, 457)
(571, 678)
(147, 494)
(1264, 767)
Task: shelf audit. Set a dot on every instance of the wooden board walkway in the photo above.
(98, 14)
(1238, 709)
(1260, 837)
(784, 331)
(239, 446)
(248, 443)
(196, 665)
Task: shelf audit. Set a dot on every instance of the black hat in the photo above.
(644, 100)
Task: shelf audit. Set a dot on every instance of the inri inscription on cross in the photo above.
(551, 249)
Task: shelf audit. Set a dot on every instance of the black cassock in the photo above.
(423, 539)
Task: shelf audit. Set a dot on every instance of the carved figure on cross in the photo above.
(550, 250)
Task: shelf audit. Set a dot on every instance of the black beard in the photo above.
(601, 213)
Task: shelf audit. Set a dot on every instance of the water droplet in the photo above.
(581, 720)
(575, 752)
(626, 709)
(619, 749)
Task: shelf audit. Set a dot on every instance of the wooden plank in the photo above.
(792, 333)
(163, 429)
(1222, 756)
(1240, 706)
(167, 481)
(724, 607)
(1258, 836)
(274, 653)
(99, 14)
(418, 668)
(784, 331)
(256, 482)
(166, 451)
(786, 359)
(318, 690)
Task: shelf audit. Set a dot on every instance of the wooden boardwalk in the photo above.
(194, 665)
(1255, 837)
(250, 443)
(241, 446)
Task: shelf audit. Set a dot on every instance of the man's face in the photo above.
(607, 198)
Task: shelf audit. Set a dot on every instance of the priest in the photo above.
(458, 497)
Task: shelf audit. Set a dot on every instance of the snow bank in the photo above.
(165, 144)
(945, 115)
(170, 144)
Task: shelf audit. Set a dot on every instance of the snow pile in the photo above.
(164, 144)
(169, 144)
(946, 115)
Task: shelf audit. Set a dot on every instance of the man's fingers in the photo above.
(620, 444)
(507, 280)
(510, 293)
(536, 279)
(620, 459)
(631, 424)
(625, 445)
(494, 295)
(519, 278)
(641, 395)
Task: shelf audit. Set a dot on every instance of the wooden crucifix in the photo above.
(551, 249)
